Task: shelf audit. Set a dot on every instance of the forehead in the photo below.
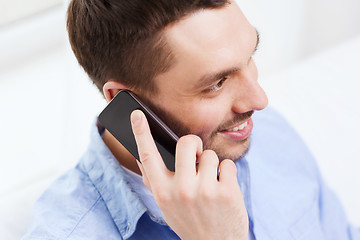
(208, 41)
(206, 29)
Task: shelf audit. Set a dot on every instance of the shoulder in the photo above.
(275, 140)
(71, 207)
(284, 173)
(282, 167)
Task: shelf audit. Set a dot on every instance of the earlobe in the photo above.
(111, 88)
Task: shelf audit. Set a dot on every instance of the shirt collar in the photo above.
(123, 191)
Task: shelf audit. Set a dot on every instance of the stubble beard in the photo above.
(210, 141)
(240, 149)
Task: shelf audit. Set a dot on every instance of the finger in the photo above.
(228, 172)
(208, 165)
(150, 158)
(144, 177)
(187, 148)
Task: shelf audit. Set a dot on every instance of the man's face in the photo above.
(212, 89)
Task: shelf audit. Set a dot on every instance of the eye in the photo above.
(218, 85)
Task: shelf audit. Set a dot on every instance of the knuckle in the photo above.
(139, 130)
(210, 153)
(207, 194)
(230, 194)
(229, 165)
(210, 157)
(187, 140)
(163, 198)
(227, 196)
(146, 156)
(196, 139)
(185, 195)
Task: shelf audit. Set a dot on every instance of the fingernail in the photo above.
(136, 118)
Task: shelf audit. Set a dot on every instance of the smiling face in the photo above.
(212, 89)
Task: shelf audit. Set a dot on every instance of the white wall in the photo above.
(16, 10)
(294, 30)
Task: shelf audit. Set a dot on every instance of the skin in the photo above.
(206, 43)
(195, 202)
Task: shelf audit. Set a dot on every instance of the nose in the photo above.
(258, 99)
(249, 94)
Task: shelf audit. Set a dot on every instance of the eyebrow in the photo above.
(210, 78)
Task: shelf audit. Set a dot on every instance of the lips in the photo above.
(238, 127)
(240, 131)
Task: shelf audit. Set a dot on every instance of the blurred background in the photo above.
(308, 60)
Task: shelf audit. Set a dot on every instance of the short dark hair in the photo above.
(122, 39)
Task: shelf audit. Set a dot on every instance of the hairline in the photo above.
(163, 39)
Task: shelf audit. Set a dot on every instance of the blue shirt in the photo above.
(284, 194)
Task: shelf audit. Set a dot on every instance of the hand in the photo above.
(195, 203)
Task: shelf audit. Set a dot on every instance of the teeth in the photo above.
(240, 127)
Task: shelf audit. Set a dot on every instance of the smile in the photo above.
(239, 132)
(238, 127)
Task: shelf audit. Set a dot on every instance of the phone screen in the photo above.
(116, 119)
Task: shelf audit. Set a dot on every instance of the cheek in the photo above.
(199, 116)
(203, 119)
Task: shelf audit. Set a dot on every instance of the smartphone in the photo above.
(116, 119)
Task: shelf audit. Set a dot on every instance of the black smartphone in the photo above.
(116, 119)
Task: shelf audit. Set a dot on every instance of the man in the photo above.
(191, 62)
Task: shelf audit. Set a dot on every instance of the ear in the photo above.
(111, 88)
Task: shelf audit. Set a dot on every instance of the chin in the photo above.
(232, 151)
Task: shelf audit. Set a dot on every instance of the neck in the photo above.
(119, 151)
